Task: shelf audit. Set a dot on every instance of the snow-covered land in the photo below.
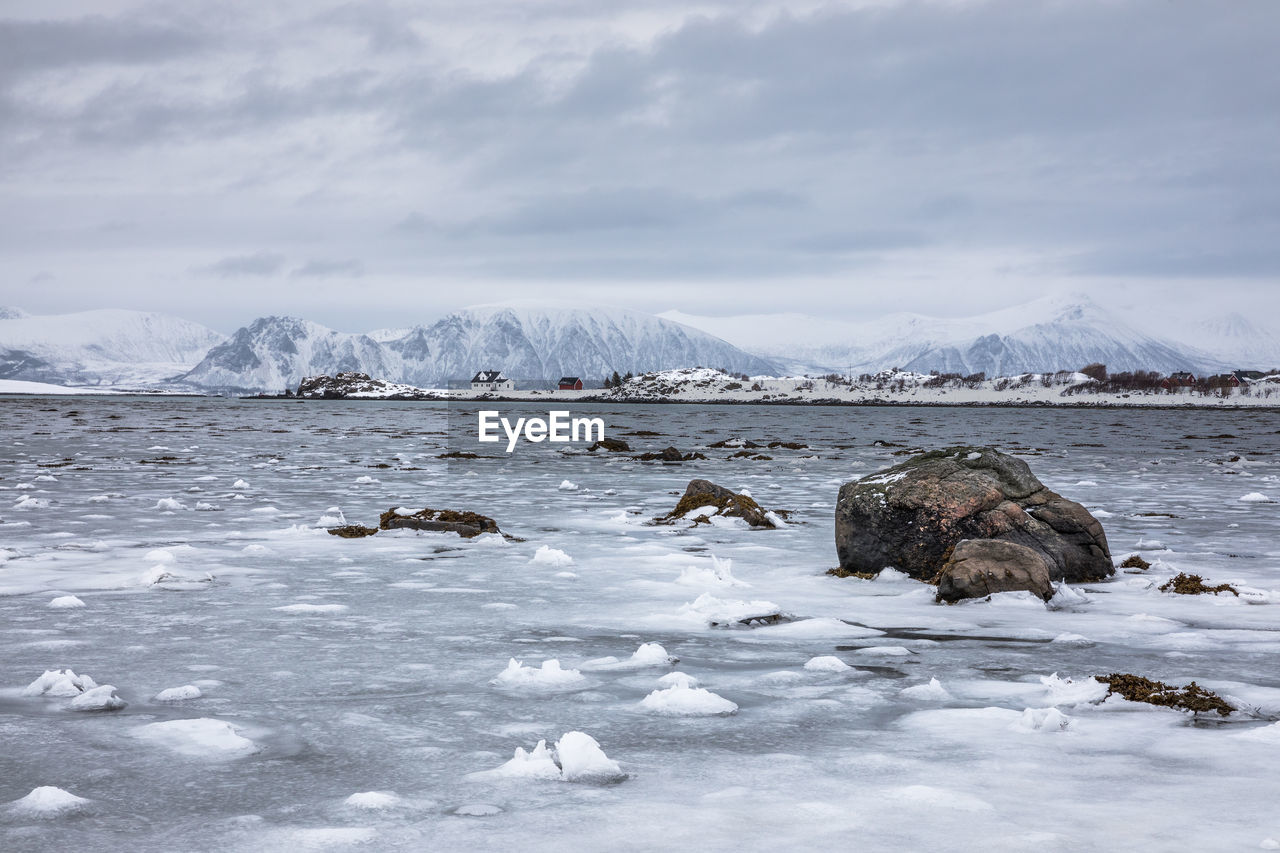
(897, 387)
(244, 680)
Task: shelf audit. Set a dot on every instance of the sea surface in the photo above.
(184, 526)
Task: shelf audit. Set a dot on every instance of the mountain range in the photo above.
(1047, 334)
(537, 343)
(529, 344)
(103, 347)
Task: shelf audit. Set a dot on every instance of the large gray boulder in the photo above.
(913, 515)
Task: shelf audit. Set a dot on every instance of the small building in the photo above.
(1244, 377)
(570, 383)
(1181, 379)
(491, 380)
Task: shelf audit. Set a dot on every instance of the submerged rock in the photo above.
(352, 531)
(613, 445)
(913, 515)
(717, 501)
(670, 454)
(979, 567)
(465, 524)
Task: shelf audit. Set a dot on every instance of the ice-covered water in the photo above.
(287, 689)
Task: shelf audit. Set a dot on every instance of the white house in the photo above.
(491, 380)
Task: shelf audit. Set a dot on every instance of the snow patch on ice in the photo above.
(373, 800)
(202, 737)
(59, 683)
(933, 691)
(649, 654)
(311, 608)
(65, 602)
(718, 574)
(48, 800)
(548, 676)
(681, 701)
(102, 698)
(826, 663)
(547, 556)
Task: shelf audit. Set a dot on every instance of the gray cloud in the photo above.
(1018, 142)
(351, 268)
(257, 264)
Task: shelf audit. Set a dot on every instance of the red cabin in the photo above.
(570, 383)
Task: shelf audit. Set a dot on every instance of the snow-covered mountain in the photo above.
(1238, 341)
(529, 344)
(273, 353)
(103, 347)
(1049, 334)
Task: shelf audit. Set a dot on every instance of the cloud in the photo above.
(351, 268)
(905, 143)
(237, 266)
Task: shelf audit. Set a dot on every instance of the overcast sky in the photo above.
(374, 164)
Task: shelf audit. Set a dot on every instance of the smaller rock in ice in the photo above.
(169, 505)
(566, 486)
(1255, 498)
(66, 602)
(240, 484)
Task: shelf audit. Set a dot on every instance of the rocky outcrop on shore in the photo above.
(704, 500)
(354, 385)
(465, 524)
(915, 515)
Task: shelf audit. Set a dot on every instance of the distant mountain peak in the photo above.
(529, 340)
(12, 312)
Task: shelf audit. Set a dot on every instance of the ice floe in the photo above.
(550, 675)
(202, 737)
(547, 556)
(48, 801)
(649, 654)
(681, 701)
